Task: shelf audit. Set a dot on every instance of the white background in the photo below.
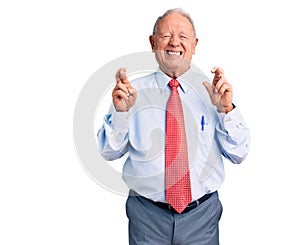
(49, 49)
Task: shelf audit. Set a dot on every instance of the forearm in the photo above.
(113, 136)
(233, 136)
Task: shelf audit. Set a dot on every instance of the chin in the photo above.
(175, 70)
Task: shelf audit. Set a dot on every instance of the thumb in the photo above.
(208, 88)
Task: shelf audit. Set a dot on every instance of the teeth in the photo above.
(173, 53)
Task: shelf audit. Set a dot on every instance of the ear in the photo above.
(151, 40)
(195, 42)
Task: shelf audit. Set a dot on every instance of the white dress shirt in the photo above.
(140, 134)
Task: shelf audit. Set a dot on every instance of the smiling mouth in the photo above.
(177, 53)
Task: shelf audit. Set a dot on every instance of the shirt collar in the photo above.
(163, 79)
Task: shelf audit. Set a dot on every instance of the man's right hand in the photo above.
(123, 94)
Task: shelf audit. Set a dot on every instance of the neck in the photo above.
(174, 73)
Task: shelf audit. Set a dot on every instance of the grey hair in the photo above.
(172, 11)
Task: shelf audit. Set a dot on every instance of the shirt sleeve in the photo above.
(233, 136)
(113, 135)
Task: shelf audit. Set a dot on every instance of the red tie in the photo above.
(178, 188)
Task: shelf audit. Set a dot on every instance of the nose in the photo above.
(174, 41)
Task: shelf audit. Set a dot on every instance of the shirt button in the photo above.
(227, 119)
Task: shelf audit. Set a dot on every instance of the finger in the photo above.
(121, 75)
(123, 87)
(226, 87)
(209, 88)
(219, 73)
(218, 83)
(119, 94)
(132, 91)
(213, 70)
(217, 78)
(217, 70)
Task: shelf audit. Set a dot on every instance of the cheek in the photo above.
(192, 49)
(160, 45)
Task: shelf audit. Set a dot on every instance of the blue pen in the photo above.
(202, 123)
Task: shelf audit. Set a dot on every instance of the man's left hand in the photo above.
(220, 91)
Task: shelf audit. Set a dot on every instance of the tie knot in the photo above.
(174, 85)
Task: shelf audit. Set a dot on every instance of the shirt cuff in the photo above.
(231, 119)
(120, 120)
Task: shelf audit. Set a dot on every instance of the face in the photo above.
(174, 44)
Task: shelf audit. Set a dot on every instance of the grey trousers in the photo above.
(149, 224)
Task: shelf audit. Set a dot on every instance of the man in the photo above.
(175, 127)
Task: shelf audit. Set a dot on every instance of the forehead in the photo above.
(175, 22)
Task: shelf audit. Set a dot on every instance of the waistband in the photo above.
(188, 208)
